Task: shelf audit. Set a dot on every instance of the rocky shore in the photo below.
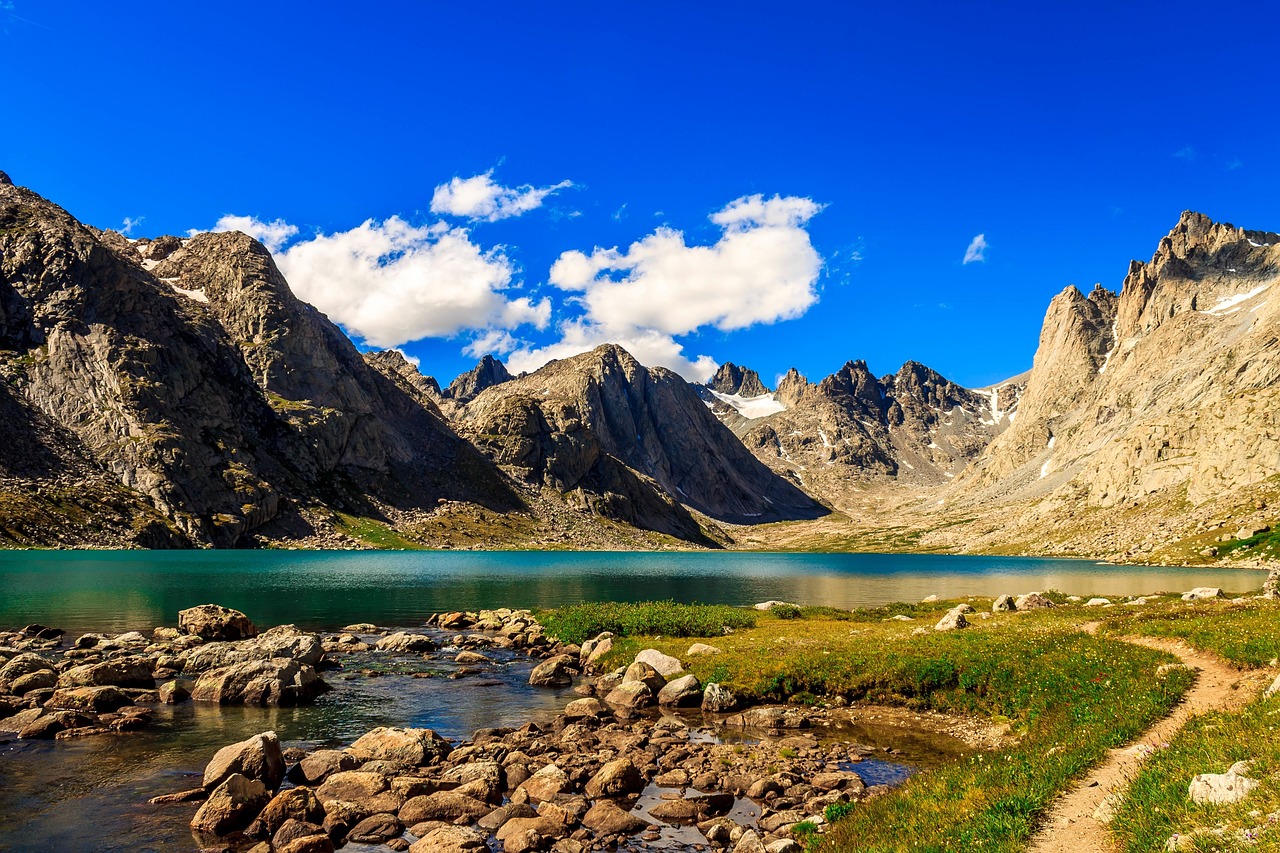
(635, 762)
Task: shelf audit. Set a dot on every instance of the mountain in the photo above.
(1149, 424)
(196, 379)
(631, 442)
(486, 374)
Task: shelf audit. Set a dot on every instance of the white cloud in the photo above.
(763, 269)
(412, 359)
(977, 250)
(130, 223)
(390, 282)
(480, 198)
(491, 342)
(272, 234)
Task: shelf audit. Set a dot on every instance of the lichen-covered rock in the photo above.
(665, 665)
(680, 692)
(718, 699)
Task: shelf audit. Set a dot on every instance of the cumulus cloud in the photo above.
(391, 282)
(273, 234)
(762, 269)
(480, 197)
(977, 250)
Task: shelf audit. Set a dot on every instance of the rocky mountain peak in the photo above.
(792, 387)
(742, 381)
(393, 364)
(486, 374)
(856, 380)
(5, 180)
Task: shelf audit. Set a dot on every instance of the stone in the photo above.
(299, 804)
(546, 783)
(173, 693)
(553, 672)
(231, 806)
(443, 805)
(97, 700)
(718, 699)
(1271, 586)
(631, 694)
(616, 778)
(412, 747)
(215, 622)
(258, 757)
(766, 606)
(702, 649)
(123, 672)
(473, 658)
(953, 621)
(320, 843)
(666, 665)
(783, 845)
(580, 709)
(451, 839)
(678, 810)
(838, 780)
(1273, 690)
(1202, 593)
(645, 674)
(1097, 602)
(375, 829)
(607, 818)
(352, 786)
(320, 765)
(682, 691)
(403, 641)
(19, 665)
(1032, 601)
(40, 680)
(277, 681)
(749, 843)
(1221, 788)
(293, 829)
(282, 641)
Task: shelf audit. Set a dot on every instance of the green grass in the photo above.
(1067, 695)
(1247, 634)
(373, 533)
(1156, 805)
(580, 623)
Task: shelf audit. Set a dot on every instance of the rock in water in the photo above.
(215, 622)
(258, 757)
(414, 747)
(232, 806)
(718, 699)
(266, 682)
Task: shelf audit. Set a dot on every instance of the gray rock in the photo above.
(952, 621)
(1202, 593)
(718, 699)
(1032, 601)
(680, 692)
(664, 664)
(1004, 604)
(1222, 788)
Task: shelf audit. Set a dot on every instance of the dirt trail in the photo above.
(1070, 826)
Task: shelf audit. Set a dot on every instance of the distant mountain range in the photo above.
(173, 392)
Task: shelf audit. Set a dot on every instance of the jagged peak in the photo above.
(5, 180)
(730, 378)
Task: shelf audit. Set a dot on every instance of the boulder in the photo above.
(616, 778)
(1222, 788)
(1202, 593)
(645, 674)
(97, 700)
(232, 806)
(553, 672)
(412, 747)
(749, 843)
(265, 682)
(607, 818)
(1097, 602)
(953, 621)
(320, 765)
(546, 783)
(1273, 690)
(300, 804)
(677, 810)
(282, 641)
(258, 757)
(630, 694)
(173, 693)
(451, 839)
(682, 691)
(702, 649)
(1004, 604)
(665, 665)
(718, 699)
(215, 622)
(595, 648)
(20, 665)
(122, 672)
(580, 709)
(443, 805)
(315, 843)
(1032, 601)
(375, 829)
(39, 680)
(403, 641)
(352, 786)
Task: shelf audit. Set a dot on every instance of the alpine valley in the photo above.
(174, 393)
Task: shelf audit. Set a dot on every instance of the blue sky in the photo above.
(881, 139)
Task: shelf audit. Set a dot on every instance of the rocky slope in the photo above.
(1150, 417)
(631, 442)
(194, 377)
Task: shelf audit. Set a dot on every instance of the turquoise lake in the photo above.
(319, 590)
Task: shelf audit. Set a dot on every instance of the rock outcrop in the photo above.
(628, 442)
(488, 373)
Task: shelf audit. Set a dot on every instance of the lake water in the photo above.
(323, 590)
